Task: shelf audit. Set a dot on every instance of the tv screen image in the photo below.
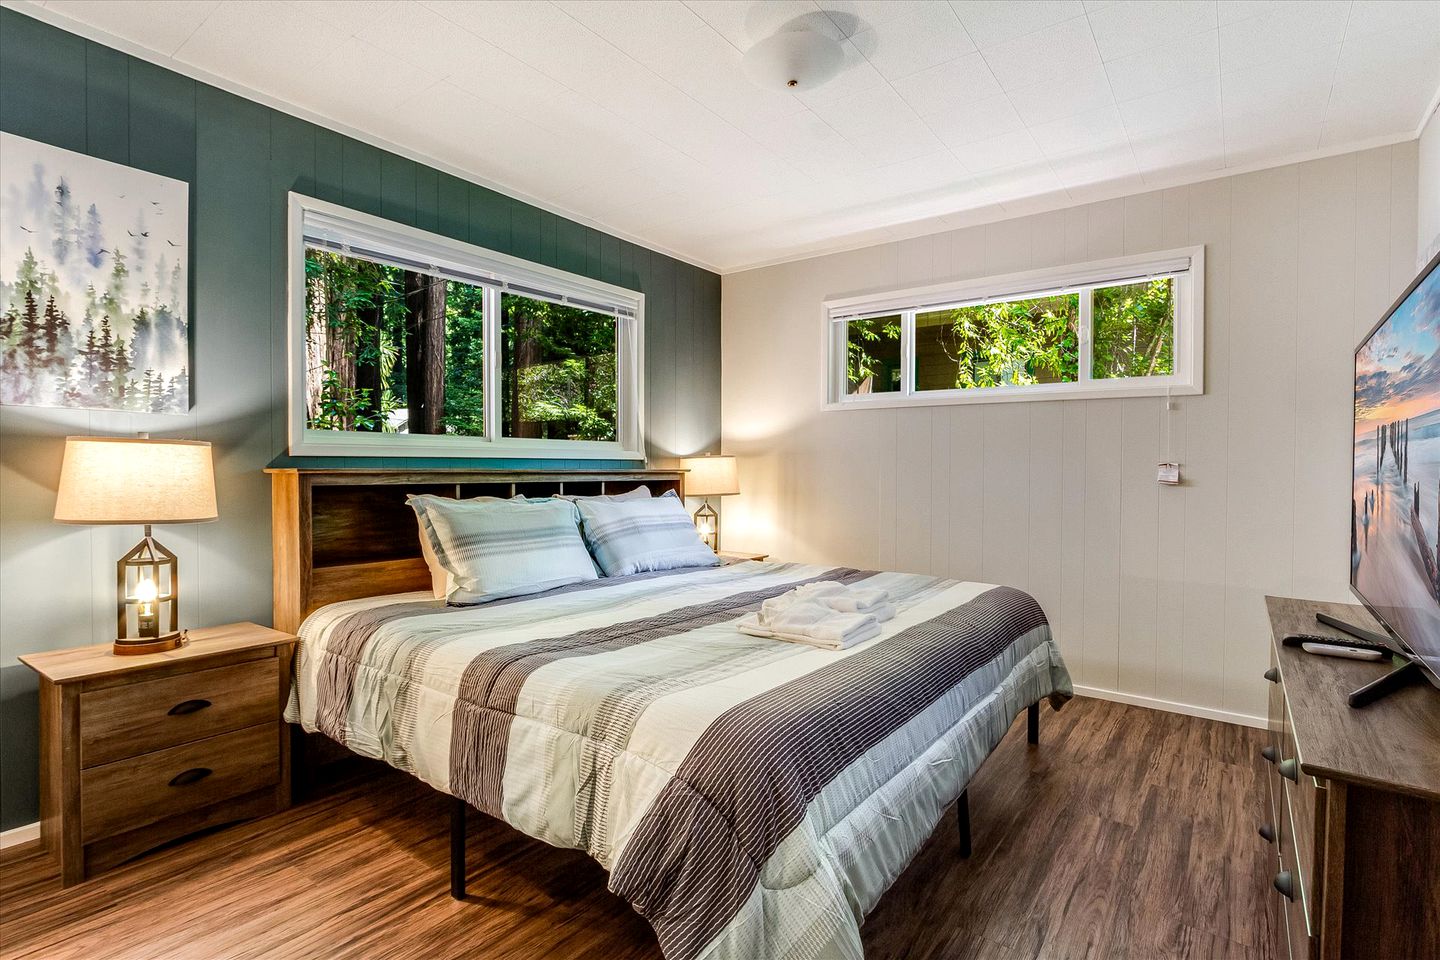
(1395, 507)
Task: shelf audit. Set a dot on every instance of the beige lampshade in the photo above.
(133, 480)
(710, 476)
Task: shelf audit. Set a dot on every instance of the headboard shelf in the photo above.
(341, 533)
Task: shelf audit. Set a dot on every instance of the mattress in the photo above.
(749, 797)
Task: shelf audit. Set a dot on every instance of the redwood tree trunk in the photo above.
(368, 386)
(425, 352)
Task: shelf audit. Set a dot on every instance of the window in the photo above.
(404, 343)
(1126, 327)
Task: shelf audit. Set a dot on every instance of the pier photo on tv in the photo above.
(1395, 506)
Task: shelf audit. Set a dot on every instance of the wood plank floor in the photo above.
(1126, 833)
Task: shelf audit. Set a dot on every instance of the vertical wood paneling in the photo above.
(329, 165)
(1006, 516)
(967, 491)
(107, 103)
(1171, 531)
(1104, 443)
(887, 489)
(1260, 519)
(397, 189)
(1044, 494)
(525, 231)
(1070, 629)
(427, 198)
(360, 182)
(1324, 355)
(453, 205)
(42, 83)
(232, 271)
(1207, 464)
(913, 520)
(489, 218)
(660, 357)
(941, 493)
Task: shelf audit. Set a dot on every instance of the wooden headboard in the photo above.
(345, 533)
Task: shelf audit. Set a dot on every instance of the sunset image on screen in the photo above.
(1395, 508)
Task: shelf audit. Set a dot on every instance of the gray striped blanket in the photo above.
(751, 798)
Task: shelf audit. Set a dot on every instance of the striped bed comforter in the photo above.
(751, 798)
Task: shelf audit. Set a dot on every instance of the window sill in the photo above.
(320, 443)
(1114, 390)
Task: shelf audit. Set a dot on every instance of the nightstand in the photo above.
(137, 751)
(734, 556)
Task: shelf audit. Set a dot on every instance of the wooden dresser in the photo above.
(136, 751)
(1354, 800)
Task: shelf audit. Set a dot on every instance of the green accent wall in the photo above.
(241, 158)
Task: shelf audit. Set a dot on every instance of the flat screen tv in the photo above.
(1395, 507)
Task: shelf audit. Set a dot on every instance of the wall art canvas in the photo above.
(94, 282)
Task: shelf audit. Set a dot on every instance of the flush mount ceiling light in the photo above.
(794, 60)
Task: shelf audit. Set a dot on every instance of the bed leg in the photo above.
(457, 848)
(1032, 723)
(962, 815)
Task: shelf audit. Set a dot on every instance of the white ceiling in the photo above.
(636, 116)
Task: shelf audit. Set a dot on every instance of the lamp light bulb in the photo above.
(146, 591)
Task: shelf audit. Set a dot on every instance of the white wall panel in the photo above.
(1155, 593)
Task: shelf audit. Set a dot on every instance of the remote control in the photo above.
(1335, 650)
(1300, 639)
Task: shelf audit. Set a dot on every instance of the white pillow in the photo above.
(508, 548)
(440, 579)
(632, 536)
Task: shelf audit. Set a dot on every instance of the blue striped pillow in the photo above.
(632, 536)
(503, 548)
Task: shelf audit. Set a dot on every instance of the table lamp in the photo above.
(139, 481)
(710, 477)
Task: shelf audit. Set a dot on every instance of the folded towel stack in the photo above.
(827, 614)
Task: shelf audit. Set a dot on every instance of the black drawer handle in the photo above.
(186, 777)
(1267, 833)
(1269, 754)
(1290, 770)
(1285, 883)
(1273, 674)
(188, 706)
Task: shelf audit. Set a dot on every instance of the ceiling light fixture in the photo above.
(794, 60)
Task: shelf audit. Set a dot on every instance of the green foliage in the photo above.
(1001, 344)
(873, 353)
(1021, 342)
(557, 371)
(1134, 330)
(558, 376)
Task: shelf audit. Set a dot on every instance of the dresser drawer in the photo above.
(1294, 906)
(140, 718)
(126, 794)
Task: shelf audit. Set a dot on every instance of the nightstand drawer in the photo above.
(140, 718)
(121, 796)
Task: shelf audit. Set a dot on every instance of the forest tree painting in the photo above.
(94, 282)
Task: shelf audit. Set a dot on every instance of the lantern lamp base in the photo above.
(131, 647)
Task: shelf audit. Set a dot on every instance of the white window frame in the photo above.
(500, 273)
(1186, 265)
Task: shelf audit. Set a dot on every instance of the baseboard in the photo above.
(18, 835)
(1170, 706)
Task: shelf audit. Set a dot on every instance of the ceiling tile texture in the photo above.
(636, 115)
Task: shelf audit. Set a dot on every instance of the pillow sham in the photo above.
(508, 548)
(633, 536)
(440, 579)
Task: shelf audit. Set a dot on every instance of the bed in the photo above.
(749, 797)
